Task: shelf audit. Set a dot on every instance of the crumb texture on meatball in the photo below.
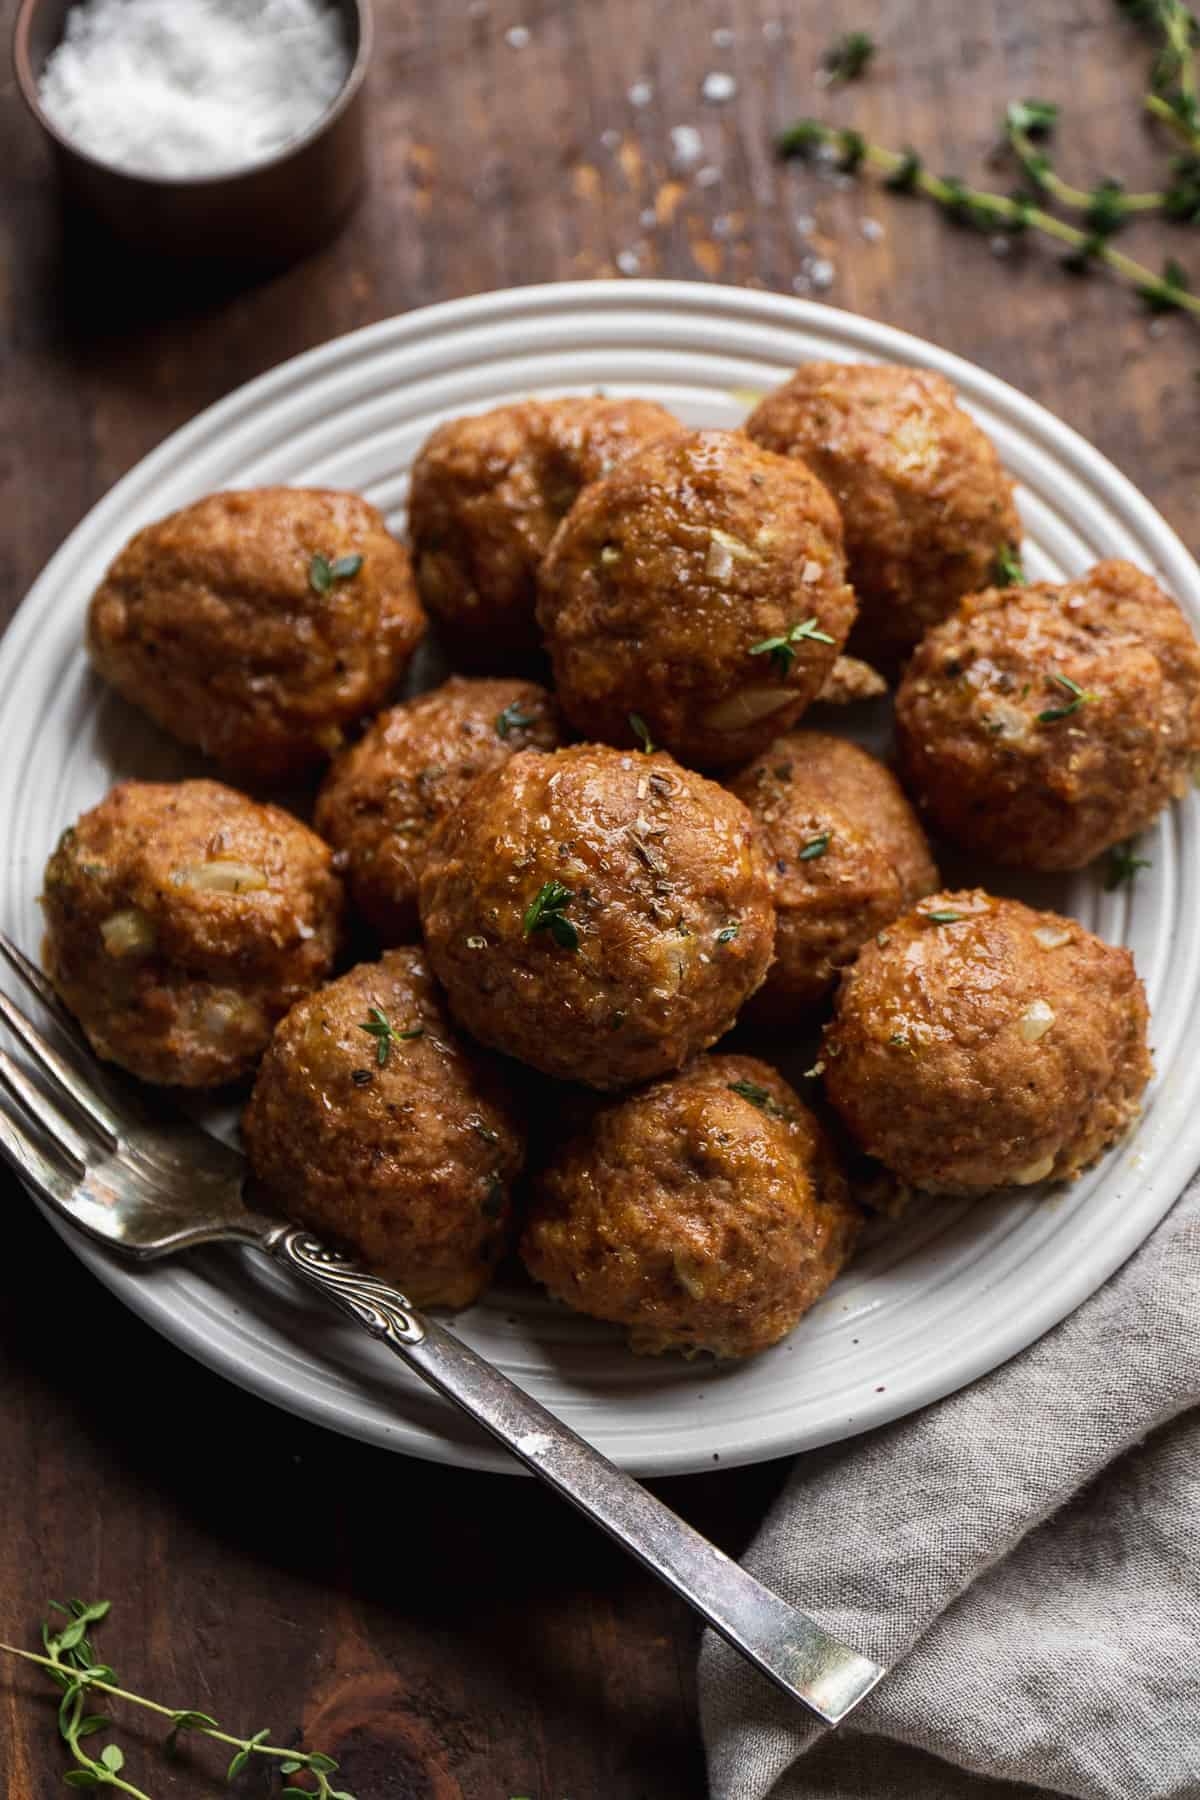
(256, 625)
(487, 494)
(926, 505)
(182, 921)
(599, 914)
(1039, 725)
(383, 797)
(400, 1141)
(846, 855)
(705, 1212)
(977, 1044)
(701, 587)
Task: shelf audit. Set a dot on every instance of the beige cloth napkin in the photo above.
(1026, 1557)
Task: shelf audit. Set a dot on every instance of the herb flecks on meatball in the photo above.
(926, 505)
(706, 1212)
(256, 626)
(846, 855)
(978, 1044)
(375, 1124)
(382, 799)
(182, 921)
(599, 914)
(487, 494)
(1040, 725)
(701, 589)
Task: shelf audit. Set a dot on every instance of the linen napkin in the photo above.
(1026, 1557)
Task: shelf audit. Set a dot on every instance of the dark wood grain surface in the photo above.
(452, 1634)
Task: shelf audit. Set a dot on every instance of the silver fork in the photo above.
(149, 1187)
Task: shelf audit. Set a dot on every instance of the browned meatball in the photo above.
(382, 799)
(597, 913)
(487, 493)
(705, 1212)
(701, 589)
(182, 920)
(1041, 724)
(925, 503)
(373, 1123)
(256, 625)
(977, 1043)
(846, 855)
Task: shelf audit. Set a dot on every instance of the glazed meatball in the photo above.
(925, 503)
(486, 496)
(182, 921)
(257, 625)
(1039, 725)
(382, 799)
(705, 1212)
(599, 914)
(700, 588)
(846, 855)
(374, 1124)
(977, 1043)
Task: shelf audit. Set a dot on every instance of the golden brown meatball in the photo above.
(374, 1124)
(182, 920)
(1038, 725)
(925, 503)
(977, 1043)
(487, 493)
(846, 855)
(851, 680)
(256, 625)
(705, 1212)
(382, 798)
(599, 914)
(701, 589)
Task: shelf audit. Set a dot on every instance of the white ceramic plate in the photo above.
(940, 1300)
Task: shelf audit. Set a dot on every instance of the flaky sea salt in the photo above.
(193, 87)
(640, 94)
(687, 146)
(718, 86)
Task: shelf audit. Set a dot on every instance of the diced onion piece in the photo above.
(723, 551)
(746, 707)
(689, 1271)
(812, 570)
(1032, 1172)
(227, 1018)
(128, 933)
(220, 877)
(1052, 937)
(1006, 720)
(1036, 1020)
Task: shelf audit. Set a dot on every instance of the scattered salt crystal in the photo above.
(1158, 328)
(687, 146)
(517, 37)
(648, 219)
(722, 37)
(871, 229)
(610, 139)
(821, 272)
(640, 94)
(801, 283)
(804, 223)
(999, 245)
(722, 226)
(708, 176)
(629, 262)
(717, 86)
(193, 87)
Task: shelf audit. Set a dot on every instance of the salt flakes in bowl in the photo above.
(193, 89)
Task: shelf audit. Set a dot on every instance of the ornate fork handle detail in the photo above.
(378, 1307)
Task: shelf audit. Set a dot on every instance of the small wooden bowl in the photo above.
(267, 214)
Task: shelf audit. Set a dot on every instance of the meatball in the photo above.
(705, 1212)
(599, 914)
(699, 589)
(926, 506)
(846, 855)
(977, 1043)
(257, 625)
(1039, 725)
(372, 1123)
(182, 921)
(382, 799)
(486, 496)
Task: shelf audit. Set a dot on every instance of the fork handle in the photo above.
(790, 1649)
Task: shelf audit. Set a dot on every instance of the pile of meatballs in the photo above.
(568, 889)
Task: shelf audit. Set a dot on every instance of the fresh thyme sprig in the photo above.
(547, 912)
(1123, 867)
(1008, 569)
(1077, 697)
(758, 1096)
(512, 719)
(70, 1661)
(847, 58)
(324, 575)
(904, 172)
(377, 1025)
(782, 649)
(1172, 97)
(1028, 126)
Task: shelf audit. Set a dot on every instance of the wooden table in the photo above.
(453, 1634)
